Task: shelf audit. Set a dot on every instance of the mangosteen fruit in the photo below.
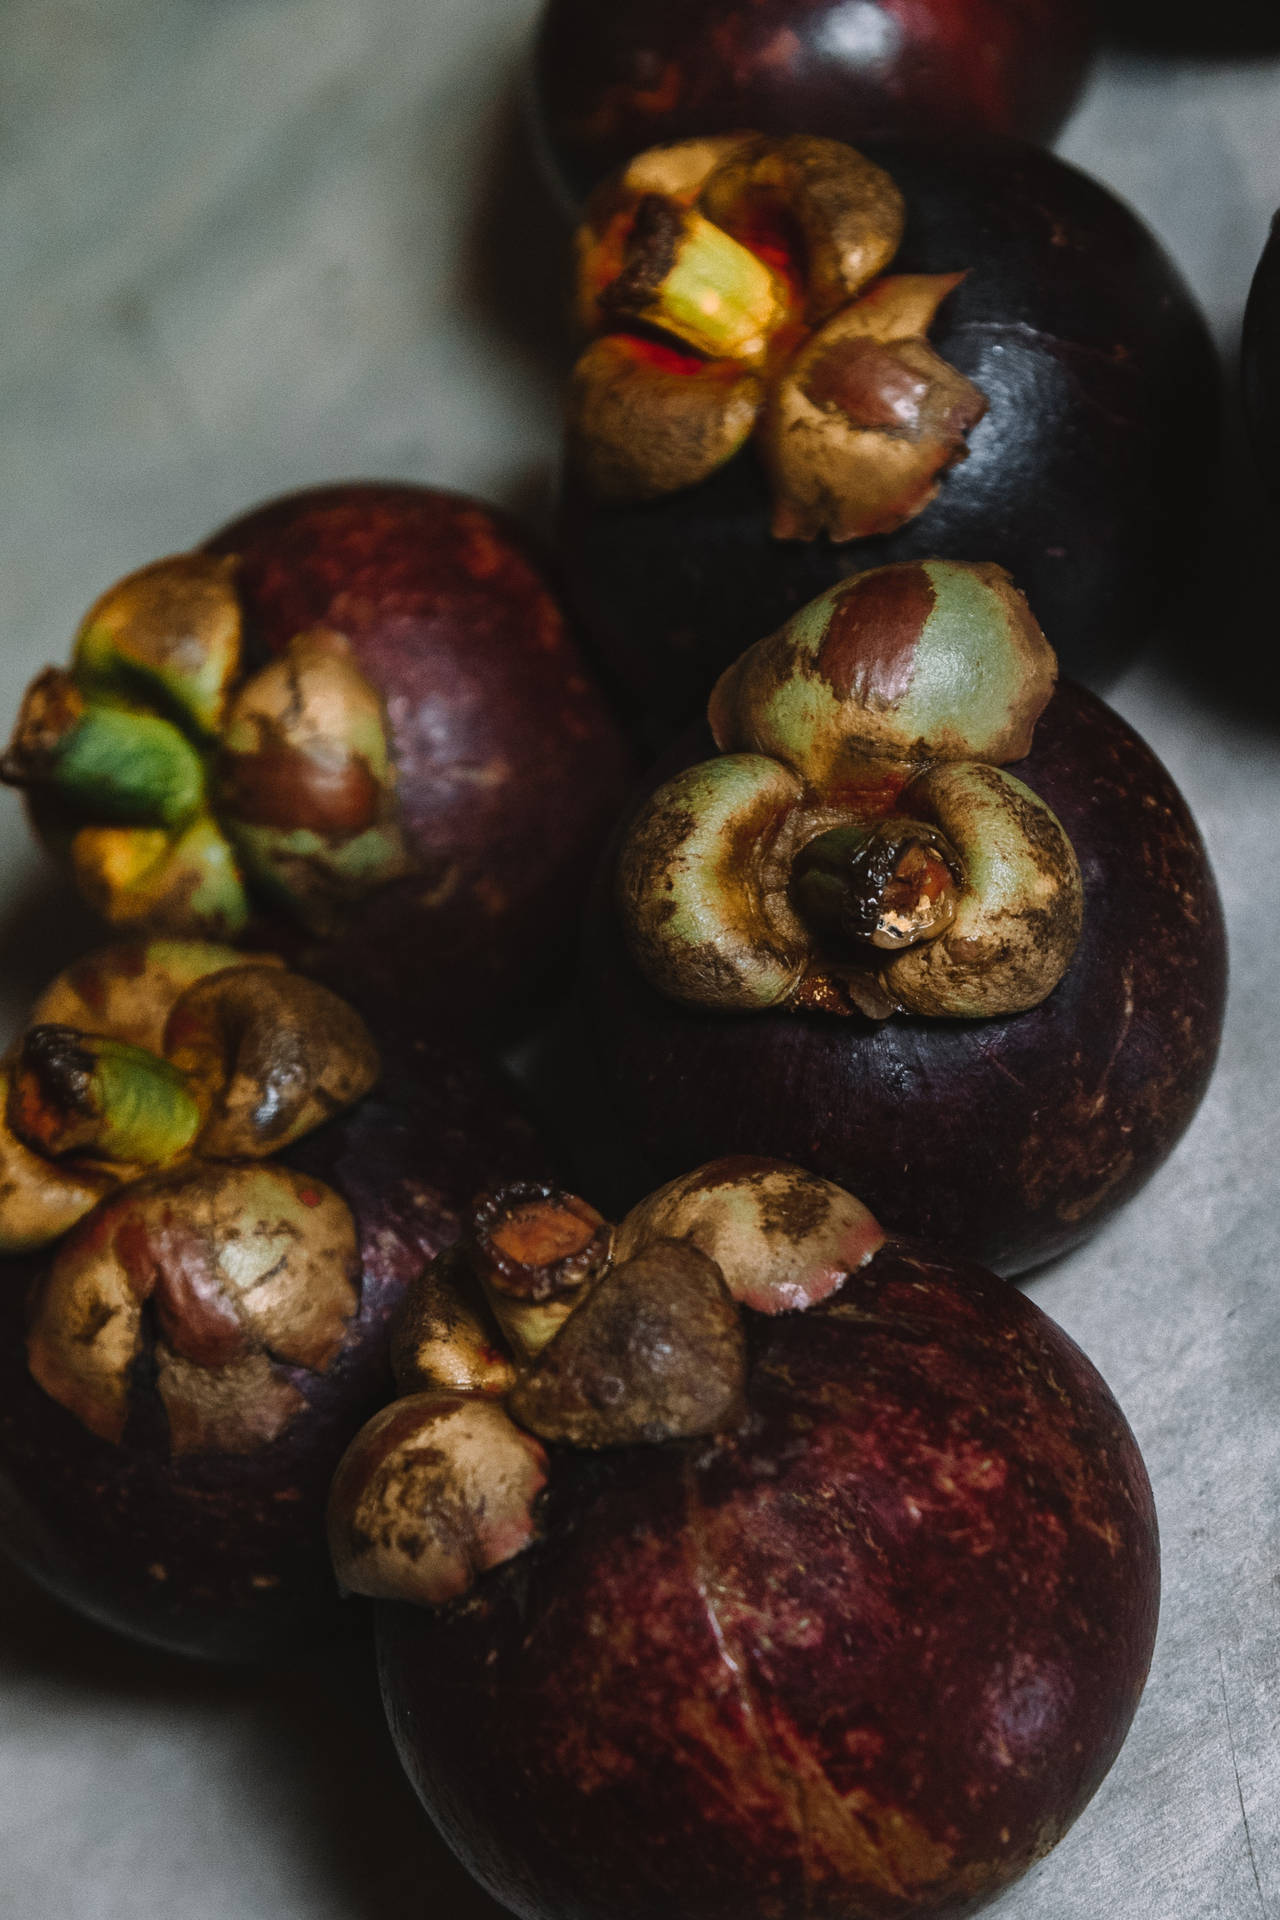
(802, 1572)
(211, 1202)
(927, 922)
(610, 81)
(358, 714)
(803, 360)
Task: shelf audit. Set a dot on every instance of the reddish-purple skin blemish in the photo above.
(718, 1678)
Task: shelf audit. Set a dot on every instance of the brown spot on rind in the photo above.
(869, 651)
(282, 786)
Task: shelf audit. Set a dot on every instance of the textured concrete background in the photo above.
(249, 244)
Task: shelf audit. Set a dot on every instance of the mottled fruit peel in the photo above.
(759, 261)
(839, 1613)
(858, 847)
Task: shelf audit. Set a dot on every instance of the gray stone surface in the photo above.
(249, 244)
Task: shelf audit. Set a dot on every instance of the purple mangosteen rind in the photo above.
(1080, 1098)
(356, 725)
(170, 1481)
(711, 1669)
(1101, 384)
(608, 83)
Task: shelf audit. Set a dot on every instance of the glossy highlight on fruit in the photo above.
(861, 1644)
(609, 81)
(1086, 476)
(197, 1292)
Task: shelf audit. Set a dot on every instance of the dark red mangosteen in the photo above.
(925, 924)
(801, 1571)
(357, 711)
(1260, 359)
(212, 1201)
(609, 81)
(805, 360)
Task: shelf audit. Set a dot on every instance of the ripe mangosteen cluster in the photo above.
(690, 1530)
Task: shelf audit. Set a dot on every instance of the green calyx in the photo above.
(168, 636)
(84, 1095)
(174, 785)
(858, 845)
(898, 667)
(123, 766)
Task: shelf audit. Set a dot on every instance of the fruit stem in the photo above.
(79, 1093)
(692, 279)
(535, 1251)
(889, 886)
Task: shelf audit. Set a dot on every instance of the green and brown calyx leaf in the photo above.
(177, 1054)
(738, 286)
(651, 1348)
(858, 846)
(180, 789)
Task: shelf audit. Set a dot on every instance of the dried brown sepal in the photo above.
(446, 1337)
(233, 1262)
(1019, 912)
(783, 1238)
(51, 707)
(656, 1352)
(644, 420)
(848, 212)
(535, 1250)
(703, 884)
(860, 428)
(271, 1054)
(434, 1490)
(128, 990)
